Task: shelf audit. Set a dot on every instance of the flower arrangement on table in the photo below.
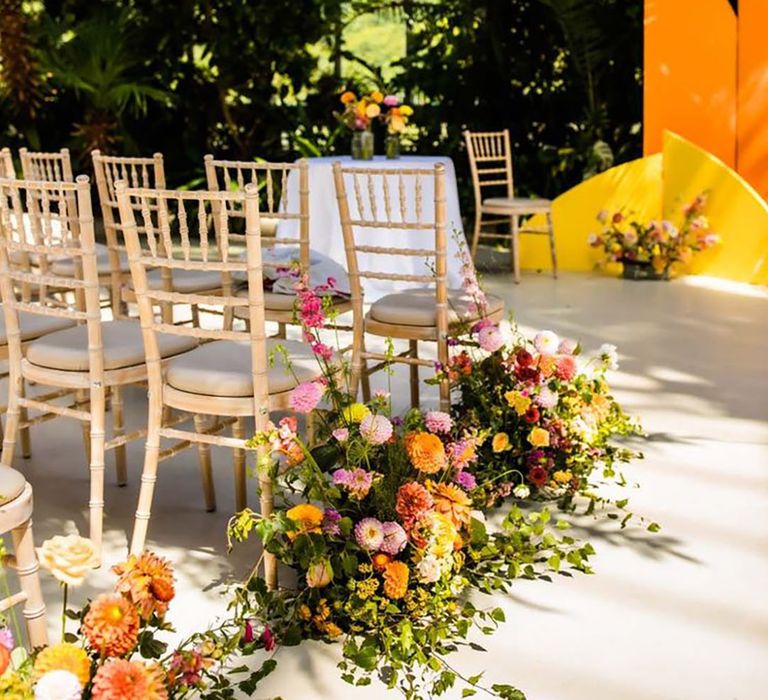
(650, 250)
(115, 652)
(378, 522)
(548, 421)
(395, 117)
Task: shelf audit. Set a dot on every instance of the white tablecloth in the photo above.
(325, 226)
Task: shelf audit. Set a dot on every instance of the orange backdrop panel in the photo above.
(690, 74)
(752, 124)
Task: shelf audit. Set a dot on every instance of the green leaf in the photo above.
(554, 562)
(654, 527)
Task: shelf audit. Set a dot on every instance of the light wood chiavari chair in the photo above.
(228, 376)
(88, 358)
(272, 182)
(416, 314)
(490, 161)
(46, 167)
(16, 518)
(6, 163)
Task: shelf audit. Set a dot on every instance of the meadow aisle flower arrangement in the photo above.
(653, 250)
(382, 524)
(112, 649)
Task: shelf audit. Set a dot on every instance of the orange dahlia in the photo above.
(452, 502)
(309, 518)
(426, 452)
(120, 679)
(147, 581)
(413, 500)
(396, 579)
(111, 625)
(64, 657)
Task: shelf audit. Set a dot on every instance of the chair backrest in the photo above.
(49, 221)
(147, 173)
(490, 162)
(6, 163)
(156, 249)
(50, 167)
(279, 197)
(394, 199)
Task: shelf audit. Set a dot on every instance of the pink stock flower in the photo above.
(376, 429)
(305, 397)
(438, 422)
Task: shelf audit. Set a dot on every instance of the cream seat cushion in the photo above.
(186, 281)
(519, 203)
(418, 307)
(272, 301)
(223, 368)
(12, 484)
(34, 325)
(66, 266)
(123, 347)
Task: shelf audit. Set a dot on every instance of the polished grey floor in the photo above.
(680, 615)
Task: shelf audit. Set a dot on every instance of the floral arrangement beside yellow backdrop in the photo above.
(651, 250)
(114, 653)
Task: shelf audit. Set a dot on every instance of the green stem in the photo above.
(64, 612)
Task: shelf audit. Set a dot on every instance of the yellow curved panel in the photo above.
(634, 186)
(735, 210)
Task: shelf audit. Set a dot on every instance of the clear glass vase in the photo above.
(362, 145)
(392, 146)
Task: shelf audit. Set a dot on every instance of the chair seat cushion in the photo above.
(521, 204)
(223, 368)
(34, 325)
(272, 301)
(418, 307)
(123, 347)
(187, 281)
(12, 484)
(65, 267)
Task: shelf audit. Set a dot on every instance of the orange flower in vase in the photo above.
(111, 625)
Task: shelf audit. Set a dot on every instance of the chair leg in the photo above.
(27, 570)
(514, 226)
(552, 250)
(118, 429)
(241, 492)
(281, 330)
(476, 233)
(445, 387)
(81, 401)
(24, 439)
(414, 370)
(12, 417)
(96, 504)
(365, 377)
(148, 475)
(204, 451)
(195, 315)
(356, 365)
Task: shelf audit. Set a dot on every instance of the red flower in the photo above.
(618, 217)
(268, 638)
(566, 367)
(532, 415)
(538, 476)
(527, 374)
(524, 358)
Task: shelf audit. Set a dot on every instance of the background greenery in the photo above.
(261, 79)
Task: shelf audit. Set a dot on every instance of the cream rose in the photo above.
(69, 558)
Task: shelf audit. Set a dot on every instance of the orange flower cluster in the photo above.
(426, 452)
(120, 679)
(147, 581)
(396, 576)
(451, 502)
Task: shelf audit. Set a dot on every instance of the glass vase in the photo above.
(362, 145)
(392, 146)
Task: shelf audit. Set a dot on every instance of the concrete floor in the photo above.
(680, 615)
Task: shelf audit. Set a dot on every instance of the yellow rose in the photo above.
(320, 574)
(69, 558)
(355, 412)
(500, 442)
(372, 111)
(538, 437)
(517, 401)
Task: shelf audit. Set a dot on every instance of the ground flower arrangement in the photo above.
(545, 420)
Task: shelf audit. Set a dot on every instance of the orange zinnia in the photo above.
(147, 581)
(307, 517)
(120, 679)
(396, 579)
(452, 502)
(111, 625)
(426, 452)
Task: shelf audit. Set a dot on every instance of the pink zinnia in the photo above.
(566, 367)
(305, 396)
(376, 429)
(394, 538)
(369, 534)
(490, 339)
(438, 422)
(359, 483)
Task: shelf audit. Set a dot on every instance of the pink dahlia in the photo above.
(369, 534)
(394, 538)
(490, 339)
(438, 422)
(376, 429)
(305, 396)
(566, 367)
